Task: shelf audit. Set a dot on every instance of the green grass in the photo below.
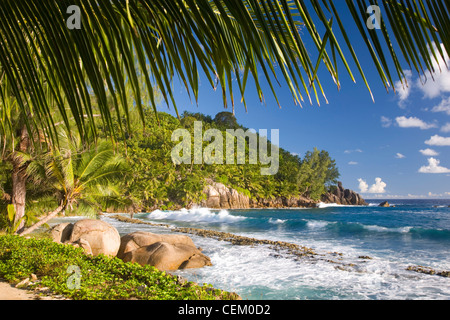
(102, 278)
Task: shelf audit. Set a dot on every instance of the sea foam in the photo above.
(385, 229)
(331, 205)
(276, 221)
(317, 224)
(195, 215)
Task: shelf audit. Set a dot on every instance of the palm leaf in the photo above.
(121, 40)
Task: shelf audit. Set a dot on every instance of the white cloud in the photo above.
(377, 188)
(444, 106)
(429, 152)
(434, 195)
(413, 122)
(446, 127)
(351, 151)
(386, 122)
(433, 167)
(353, 163)
(363, 186)
(415, 196)
(437, 140)
(437, 195)
(400, 156)
(431, 86)
(441, 83)
(404, 89)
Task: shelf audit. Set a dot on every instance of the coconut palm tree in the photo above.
(87, 181)
(115, 41)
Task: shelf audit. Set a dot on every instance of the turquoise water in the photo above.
(415, 232)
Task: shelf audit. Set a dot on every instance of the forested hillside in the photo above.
(138, 172)
(155, 181)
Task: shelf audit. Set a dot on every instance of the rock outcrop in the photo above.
(165, 252)
(384, 204)
(218, 196)
(94, 236)
(283, 202)
(343, 196)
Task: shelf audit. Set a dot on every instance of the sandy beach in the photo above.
(8, 292)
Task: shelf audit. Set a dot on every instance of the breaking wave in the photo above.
(195, 215)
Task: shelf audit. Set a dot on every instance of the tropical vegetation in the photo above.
(53, 76)
(64, 92)
(155, 181)
(103, 278)
(140, 175)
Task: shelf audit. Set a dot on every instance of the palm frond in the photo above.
(121, 40)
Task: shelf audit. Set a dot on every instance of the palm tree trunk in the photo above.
(19, 180)
(50, 216)
(19, 192)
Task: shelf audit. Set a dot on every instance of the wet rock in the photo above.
(428, 270)
(384, 204)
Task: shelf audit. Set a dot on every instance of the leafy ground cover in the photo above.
(102, 277)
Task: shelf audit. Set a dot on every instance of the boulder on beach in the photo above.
(166, 256)
(138, 239)
(61, 232)
(163, 251)
(101, 236)
(94, 236)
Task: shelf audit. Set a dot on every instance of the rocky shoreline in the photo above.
(299, 251)
(285, 248)
(219, 196)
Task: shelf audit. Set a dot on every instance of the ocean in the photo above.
(362, 252)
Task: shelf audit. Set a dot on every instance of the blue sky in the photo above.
(395, 147)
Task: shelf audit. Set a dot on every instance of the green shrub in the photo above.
(102, 277)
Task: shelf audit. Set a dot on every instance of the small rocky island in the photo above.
(384, 204)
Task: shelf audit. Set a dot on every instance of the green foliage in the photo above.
(83, 178)
(102, 278)
(140, 175)
(11, 216)
(226, 120)
(317, 172)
